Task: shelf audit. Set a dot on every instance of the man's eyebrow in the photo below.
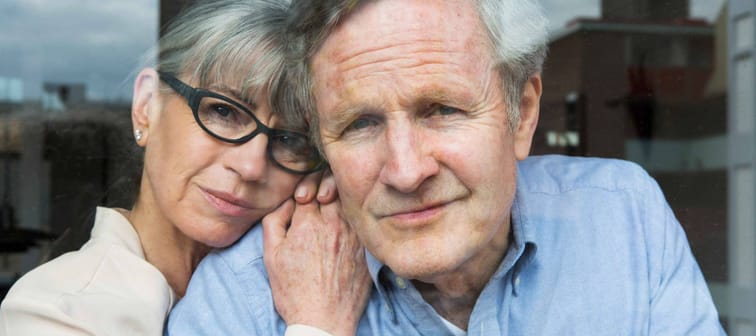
(443, 96)
(343, 116)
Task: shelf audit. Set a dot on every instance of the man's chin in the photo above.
(423, 270)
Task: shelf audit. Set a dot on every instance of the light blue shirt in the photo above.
(596, 251)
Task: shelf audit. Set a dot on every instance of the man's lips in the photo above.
(417, 215)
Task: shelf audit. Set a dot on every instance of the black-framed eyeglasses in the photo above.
(227, 120)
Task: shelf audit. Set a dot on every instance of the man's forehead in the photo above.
(401, 32)
(400, 21)
(433, 51)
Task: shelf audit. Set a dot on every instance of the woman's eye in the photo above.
(291, 142)
(222, 110)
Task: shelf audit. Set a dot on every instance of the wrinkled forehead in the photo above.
(401, 41)
(403, 29)
(442, 16)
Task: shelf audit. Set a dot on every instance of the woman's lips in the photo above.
(227, 204)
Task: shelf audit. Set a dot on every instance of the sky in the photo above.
(102, 43)
(95, 42)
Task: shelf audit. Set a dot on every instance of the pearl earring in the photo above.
(138, 135)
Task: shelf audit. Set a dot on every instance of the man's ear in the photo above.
(145, 104)
(529, 109)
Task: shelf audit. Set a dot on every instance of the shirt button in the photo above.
(401, 283)
(517, 281)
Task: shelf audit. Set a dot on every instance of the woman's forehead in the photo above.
(250, 74)
(234, 81)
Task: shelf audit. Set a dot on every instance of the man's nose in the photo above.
(409, 161)
(249, 159)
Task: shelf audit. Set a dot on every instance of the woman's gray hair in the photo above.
(518, 31)
(239, 43)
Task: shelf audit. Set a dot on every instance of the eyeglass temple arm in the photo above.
(180, 87)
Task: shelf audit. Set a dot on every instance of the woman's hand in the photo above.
(317, 267)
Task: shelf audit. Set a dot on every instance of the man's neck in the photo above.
(453, 295)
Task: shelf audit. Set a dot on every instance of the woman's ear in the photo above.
(529, 109)
(145, 104)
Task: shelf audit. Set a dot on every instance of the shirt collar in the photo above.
(523, 246)
(374, 266)
(111, 225)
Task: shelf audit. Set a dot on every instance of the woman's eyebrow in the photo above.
(232, 93)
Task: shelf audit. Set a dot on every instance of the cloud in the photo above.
(98, 43)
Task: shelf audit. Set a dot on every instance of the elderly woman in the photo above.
(217, 158)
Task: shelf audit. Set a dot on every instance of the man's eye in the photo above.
(444, 110)
(360, 124)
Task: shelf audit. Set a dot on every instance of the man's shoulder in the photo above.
(228, 293)
(557, 174)
(569, 199)
(238, 257)
(237, 270)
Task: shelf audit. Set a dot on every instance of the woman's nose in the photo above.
(249, 159)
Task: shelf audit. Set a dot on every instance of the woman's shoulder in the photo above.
(111, 261)
(67, 274)
(101, 284)
(96, 290)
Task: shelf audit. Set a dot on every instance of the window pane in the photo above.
(744, 95)
(744, 37)
(66, 72)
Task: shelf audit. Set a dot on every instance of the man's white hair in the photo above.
(516, 27)
(518, 30)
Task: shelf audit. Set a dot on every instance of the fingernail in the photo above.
(301, 192)
(323, 192)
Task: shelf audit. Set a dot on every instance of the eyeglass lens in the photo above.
(228, 120)
(225, 119)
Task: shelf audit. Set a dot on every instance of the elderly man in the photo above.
(426, 111)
